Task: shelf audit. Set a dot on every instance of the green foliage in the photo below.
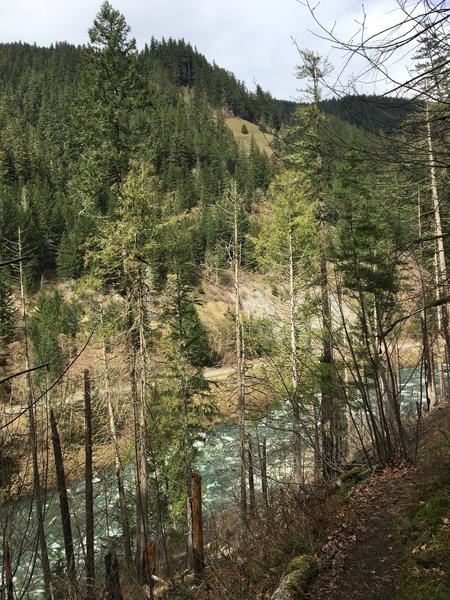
(176, 423)
(244, 129)
(123, 247)
(287, 213)
(364, 245)
(185, 330)
(109, 92)
(74, 120)
(7, 311)
(369, 112)
(72, 247)
(426, 539)
(53, 317)
(259, 335)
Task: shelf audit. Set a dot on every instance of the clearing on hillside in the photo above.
(263, 139)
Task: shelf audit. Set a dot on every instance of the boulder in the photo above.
(300, 574)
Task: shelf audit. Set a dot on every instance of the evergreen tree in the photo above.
(305, 150)
(7, 312)
(287, 248)
(53, 316)
(110, 91)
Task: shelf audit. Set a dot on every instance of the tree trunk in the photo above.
(430, 386)
(113, 588)
(37, 487)
(89, 490)
(188, 484)
(240, 362)
(251, 478)
(330, 448)
(63, 502)
(328, 407)
(140, 435)
(197, 528)
(296, 419)
(7, 572)
(441, 263)
(118, 466)
(262, 448)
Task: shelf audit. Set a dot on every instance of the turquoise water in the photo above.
(217, 462)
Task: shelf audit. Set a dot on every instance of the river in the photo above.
(217, 461)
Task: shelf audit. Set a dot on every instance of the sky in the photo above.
(257, 40)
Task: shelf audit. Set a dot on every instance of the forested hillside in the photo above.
(53, 129)
(175, 299)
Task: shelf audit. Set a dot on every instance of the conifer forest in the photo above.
(224, 321)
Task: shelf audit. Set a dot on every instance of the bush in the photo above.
(244, 129)
(259, 337)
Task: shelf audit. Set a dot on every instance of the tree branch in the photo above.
(44, 366)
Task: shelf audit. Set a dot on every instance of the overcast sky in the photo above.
(251, 38)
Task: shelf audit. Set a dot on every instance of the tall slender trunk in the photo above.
(7, 572)
(296, 419)
(113, 587)
(140, 415)
(357, 374)
(240, 360)
(118, 464)
(262, 452)
(37, 486)
(251, 478)
(393, 398)
(187, 473)
(329, 427)
(430, 386)
(441, 263)
(329, 410)
(197, 528)
(63, 502)
(185, 398)
(89, 490)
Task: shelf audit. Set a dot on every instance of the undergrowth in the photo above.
(425, 536)
(350, 480)
(291, 525)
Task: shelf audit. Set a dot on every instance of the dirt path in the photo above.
(361, 556)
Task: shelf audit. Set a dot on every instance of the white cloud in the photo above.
(251, 38)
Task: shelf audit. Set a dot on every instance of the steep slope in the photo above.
(392, 539)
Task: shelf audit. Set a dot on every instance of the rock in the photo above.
(355, 474)
(433, 556)
(300, 574)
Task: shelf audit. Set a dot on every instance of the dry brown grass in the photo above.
(262, 139)
(250, 565)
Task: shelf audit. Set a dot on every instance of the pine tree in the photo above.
(287, 248)
(186, 348)
(305, 145)
(109, 93)
(7, 311)
(366, 256)
(53, 316)
(120, 256)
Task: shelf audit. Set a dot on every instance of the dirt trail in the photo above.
(361, 556)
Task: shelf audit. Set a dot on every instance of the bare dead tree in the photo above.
(63, 501)
(89, 491)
